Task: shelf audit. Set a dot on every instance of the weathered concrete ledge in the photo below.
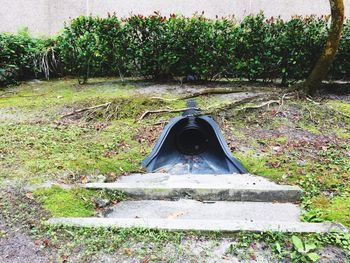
(223, 187)
(199, 225)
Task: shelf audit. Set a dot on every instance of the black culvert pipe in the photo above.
(192, 144)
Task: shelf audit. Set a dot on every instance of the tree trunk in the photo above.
(321, 68)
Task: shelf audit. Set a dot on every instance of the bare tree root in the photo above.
(2, 95)
(23, 96)
(164, 99)
(267, 103)
(205, 92)
(266, 100)
(86, 109)
(212, 91)
(148, 112)
(230, 106)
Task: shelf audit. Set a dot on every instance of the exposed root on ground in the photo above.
(213, 91)
(148, 112)
(118, 108)
(267, 103)
(205, 92)
(110, 109)
(266, 100)
(86, 109)
(164, 99)
(23, 96)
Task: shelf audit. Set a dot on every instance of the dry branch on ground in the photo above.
(146, 113)
(86, 109)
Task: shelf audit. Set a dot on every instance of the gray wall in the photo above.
(46, 17)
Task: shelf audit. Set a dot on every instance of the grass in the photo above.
(38, 152)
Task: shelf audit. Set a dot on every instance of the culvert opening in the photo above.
(192, 139)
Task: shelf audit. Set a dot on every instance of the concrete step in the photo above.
(221, 187)
(199, 224)
(192, 209)
(192, 215)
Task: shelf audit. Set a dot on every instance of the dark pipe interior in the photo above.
(192, 140)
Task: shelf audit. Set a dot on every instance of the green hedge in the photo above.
(162, 48)
(92, 46)
(21, 57)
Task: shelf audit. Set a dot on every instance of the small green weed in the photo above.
(303, 251)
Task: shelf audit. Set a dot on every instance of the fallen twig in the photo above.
(86, 109)
(7, 92)
(314, 102)
(210, 110)
(267, 103)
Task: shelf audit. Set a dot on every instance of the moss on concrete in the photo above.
(67, 203)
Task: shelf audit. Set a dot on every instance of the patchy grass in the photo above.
(38, 152)
(302, 144)
(338, 210)
(35, 145)
(135, 243)
(40, 95)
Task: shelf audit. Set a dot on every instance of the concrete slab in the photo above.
(198, 224)
(215, 187)
(192, 209)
